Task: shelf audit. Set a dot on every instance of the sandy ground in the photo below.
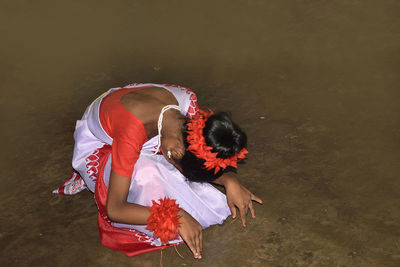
(314, 83)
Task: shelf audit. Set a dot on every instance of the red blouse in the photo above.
(126, 130)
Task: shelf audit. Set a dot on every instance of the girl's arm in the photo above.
(238, 196)
(119, 210)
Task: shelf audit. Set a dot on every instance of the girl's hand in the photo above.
(191, 232)
(238, 196)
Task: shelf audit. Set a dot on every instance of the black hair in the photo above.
(226, 138)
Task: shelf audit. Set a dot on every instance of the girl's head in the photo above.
(213, 143)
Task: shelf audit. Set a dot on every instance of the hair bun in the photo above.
(221, 133)
(225, 139)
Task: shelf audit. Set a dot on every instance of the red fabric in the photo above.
(73, 185)
(127, 131)
(127, 241)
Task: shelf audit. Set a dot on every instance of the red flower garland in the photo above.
(164, 219)
(199, 148)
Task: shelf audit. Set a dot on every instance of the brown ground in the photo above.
(314, 83)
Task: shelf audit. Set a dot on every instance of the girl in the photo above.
(148, 153)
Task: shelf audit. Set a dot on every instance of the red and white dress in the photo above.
(100, 146)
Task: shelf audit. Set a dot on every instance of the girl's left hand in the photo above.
(240, 197)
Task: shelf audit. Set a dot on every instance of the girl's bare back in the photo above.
(146, 105)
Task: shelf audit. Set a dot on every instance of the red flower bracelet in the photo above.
(164, 219)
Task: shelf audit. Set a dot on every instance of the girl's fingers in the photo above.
(178, 154)
(243, 212)
(192, 247)
(253, 214)
(197, 242)
(201, 241)
(233, 210)
(256, 198)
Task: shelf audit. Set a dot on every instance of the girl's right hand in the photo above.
(191, 232)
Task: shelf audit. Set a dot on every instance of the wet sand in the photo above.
(314, 83)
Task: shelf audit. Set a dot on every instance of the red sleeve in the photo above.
(129, 137)
(126, 130)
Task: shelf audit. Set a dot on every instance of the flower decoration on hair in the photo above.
(198, 146)
(164, 219)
